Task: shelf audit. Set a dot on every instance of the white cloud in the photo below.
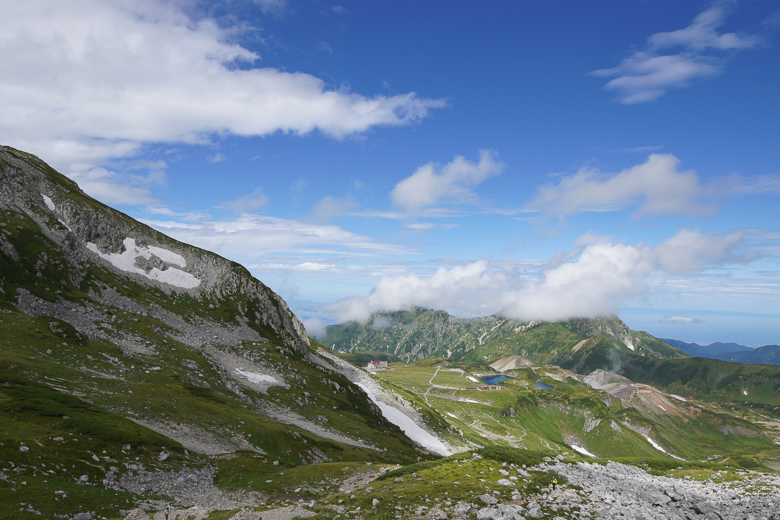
(739, 185)
(680, 318)
(331, 208)
(691, 251)
(451, 183)
(87, 80)
(464, 289)
(315, 327)
(303, 267)
(646, 75)
(249, 202)
(299, 185)
(247, 238)
(657, 185)
(591, 281)
(702, 34)
(428, 226)
(113, 188)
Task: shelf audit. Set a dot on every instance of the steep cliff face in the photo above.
(83, 233)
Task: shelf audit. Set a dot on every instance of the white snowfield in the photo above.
(660, 448)
(253, 377)
(392, 412)
(126, 262)
(49, 202)
(408, 426)
(582, 450)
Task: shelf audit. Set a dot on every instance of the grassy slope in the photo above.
(754, 386)
(542, 344)
(524, 416)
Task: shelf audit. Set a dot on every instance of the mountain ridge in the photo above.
(764, 355)
(419, 333)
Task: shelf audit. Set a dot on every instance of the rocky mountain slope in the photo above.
(421, 333)
(125, 354)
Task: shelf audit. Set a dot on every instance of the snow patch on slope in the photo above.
(386, 400)
(49, 203)
(409, 427)
(253, 377)
(660, 448)
(580, 449)
(125, 261)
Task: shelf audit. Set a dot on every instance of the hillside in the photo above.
(709, 351)
(551, 409)
(421, 333)
(418, 333)
(766, 355)
(138, 372)
(125, 354)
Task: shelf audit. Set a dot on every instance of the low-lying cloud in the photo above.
(592, 281)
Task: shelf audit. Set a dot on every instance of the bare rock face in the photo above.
(87, 232)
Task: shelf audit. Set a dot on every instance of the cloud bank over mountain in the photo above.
(589, 282)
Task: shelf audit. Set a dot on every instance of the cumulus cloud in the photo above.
(657, 186)
(647, 74)
(87, 80)
(463, 288)
(591, 281)
(432, 184)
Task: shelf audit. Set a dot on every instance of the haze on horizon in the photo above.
(539, 161)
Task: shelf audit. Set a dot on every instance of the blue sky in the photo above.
(537, 159)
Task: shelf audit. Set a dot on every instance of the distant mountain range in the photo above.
(419, 333)
(766, 355)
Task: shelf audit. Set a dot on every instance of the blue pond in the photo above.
(494, 380)
(544, 386)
